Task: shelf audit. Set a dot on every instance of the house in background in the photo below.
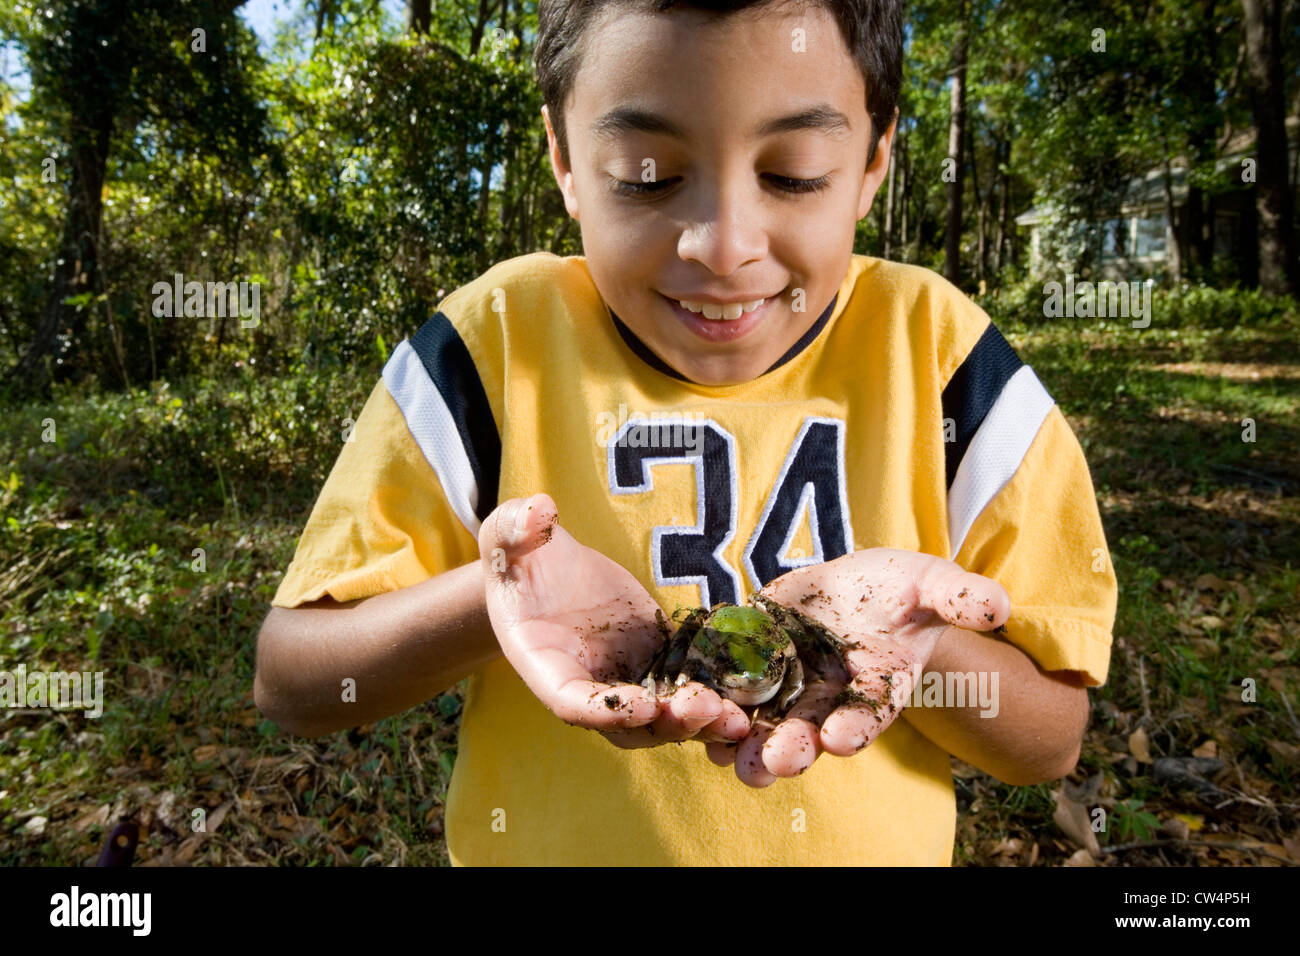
(1136, 244)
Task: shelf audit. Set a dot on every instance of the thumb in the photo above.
(964, 598)
(516, 528)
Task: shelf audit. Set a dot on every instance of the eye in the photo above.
(803, 185)
(640, 189)
(784, 183)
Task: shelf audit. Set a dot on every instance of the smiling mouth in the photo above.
(731, 323)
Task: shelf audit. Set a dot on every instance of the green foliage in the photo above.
(1200, 306)
(356, 175)
(1131, 822)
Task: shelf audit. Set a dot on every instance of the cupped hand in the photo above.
(891, 607)
(580, 630)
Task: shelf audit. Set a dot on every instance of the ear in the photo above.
(879, 168)
(563, 175)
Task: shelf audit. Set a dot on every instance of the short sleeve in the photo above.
(382, 521)
(1022, 509)
(1041, 537)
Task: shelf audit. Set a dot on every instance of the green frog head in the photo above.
(745, 652)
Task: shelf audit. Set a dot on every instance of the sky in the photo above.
(264, 15)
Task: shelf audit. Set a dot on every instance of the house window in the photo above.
(1150, 238)
(1114, 238)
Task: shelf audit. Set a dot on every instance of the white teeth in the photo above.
(726, 313)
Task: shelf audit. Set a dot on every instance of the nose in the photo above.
(727, 230)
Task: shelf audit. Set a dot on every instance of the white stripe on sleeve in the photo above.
(434, 430)
(995, 451)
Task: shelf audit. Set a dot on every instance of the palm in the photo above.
(891, 607)
(873, 598)
(580, 630)
(570, 599)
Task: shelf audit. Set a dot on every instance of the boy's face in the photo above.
(720, 227)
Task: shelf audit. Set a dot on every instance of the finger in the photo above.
(792, 747)
(749, 757)
(731, 725)
(632, 739)
(852, 728)
(588, 703)
(516, 528)
(691, 708)
(962, 597)
(875, 699)
(724, 755)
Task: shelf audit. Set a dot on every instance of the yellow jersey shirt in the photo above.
(902, 419)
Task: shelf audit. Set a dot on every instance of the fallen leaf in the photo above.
(186, 851)
(266, 762)
(1271, 634)
(1210, 582)
(1206, 647)
(1139, 745)
(1208, 749)
(217, 815)
(1074, 821)
(1008, 847)
(88, 820)
(1292, 847)
(1080, 858)
(1285, 752)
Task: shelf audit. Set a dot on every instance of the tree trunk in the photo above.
(517, 54)
(479, 27)
(889, 205)
(77, 268)
(1173, 235)
(956, 136)
(1004, 205)
(419, 15)
(1273, 201)
(981, 206)
(1199, 217)
(905, 188)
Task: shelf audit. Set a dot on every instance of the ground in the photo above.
(98, 571)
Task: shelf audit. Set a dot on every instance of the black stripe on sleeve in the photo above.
(973, 389)
(452, 371)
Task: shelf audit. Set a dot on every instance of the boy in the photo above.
(718, 396)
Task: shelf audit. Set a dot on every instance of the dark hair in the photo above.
(872, 31)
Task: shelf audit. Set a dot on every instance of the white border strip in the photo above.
(997, 449)
(434, 430)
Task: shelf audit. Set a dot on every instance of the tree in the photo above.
(956, 138)
(174, 63)
(1278, 271)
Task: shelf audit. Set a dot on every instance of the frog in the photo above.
(762, 655)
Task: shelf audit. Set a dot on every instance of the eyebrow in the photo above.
(822, 118)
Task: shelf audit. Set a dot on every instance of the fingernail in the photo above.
(521, 518)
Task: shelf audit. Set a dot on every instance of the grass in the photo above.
(1202, 527)
(147, 538)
